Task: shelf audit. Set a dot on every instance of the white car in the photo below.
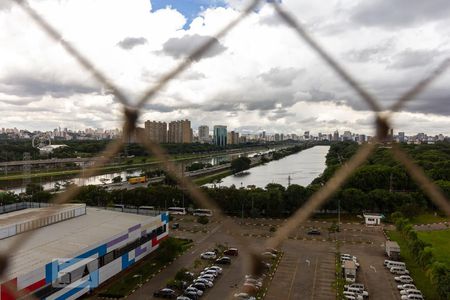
(244, 296)
(193, 289)
(255, 282)
(399, 271)
(404, 279)
(205, 281)
(212, 272)
(183, 298)
(412, 297)
(410, 292)
(208, 255)
(357, 291)
(216, 268)
(208, 277)
(349, 259)
(355, 285)
(269, 254)
(349, 256)
(406, 286)
(350, 295)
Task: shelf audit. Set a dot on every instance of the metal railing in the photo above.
(131, 112)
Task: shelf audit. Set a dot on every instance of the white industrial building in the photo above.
(74, 248)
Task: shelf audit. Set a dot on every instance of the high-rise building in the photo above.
(306, 135)
(233, 138)
(336, 136)
(401, 137)
(220, 135)
(277, 137)
(203, 133)
(156, 131)
(180, 132)
(347, 136)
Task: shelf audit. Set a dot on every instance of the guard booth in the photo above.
(372, 219)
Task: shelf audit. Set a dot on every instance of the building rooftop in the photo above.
(64, 239)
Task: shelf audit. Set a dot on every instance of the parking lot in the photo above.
(307, 268)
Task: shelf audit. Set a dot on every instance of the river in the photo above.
(49, 183)
(300, 168)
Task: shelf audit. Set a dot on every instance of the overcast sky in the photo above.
(259, 77)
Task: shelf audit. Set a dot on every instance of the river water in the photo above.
(50, 183)
(300, 168)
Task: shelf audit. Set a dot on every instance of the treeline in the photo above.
(382, 184)
(14, 149)
(438, 272)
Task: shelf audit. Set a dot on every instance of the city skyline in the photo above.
(281, 87)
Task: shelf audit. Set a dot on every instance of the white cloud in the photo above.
(266, 78)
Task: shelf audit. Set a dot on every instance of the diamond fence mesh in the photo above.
(131, 114)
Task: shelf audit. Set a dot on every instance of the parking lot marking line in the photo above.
(293, 277)
(314, 281)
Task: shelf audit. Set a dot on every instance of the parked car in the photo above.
(358, 291)
(217, 268)
(191, 288)
(191, 295)
(258, 283)
(399, 271)
(411, 292)
(208, 255)
(406, 286)
(313, 231)
(208, 277)
(205, 281)
(244, 296)
(271, 250)
(268, 254)
(165, 293)
(404, 279)
(356, 285)
(212, 272)
(412, 297)
(183, 298)
(224, 260)
(199, 286)
(231, 252)
(350, 295)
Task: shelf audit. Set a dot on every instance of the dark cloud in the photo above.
(400, 13)
(376, 53)
(25, 86)
(271, 20)
(414, 58)
(181, 47)
(131, 42)
(319, 95)
(280, 77)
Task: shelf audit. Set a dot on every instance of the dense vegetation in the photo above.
(14, 149)
(382, 184)
(434, 267)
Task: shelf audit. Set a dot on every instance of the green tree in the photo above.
(32, 188)
(240, 164)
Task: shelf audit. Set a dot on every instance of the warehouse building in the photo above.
(74, 249)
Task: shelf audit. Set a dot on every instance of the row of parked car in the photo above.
(353, 290)
(196, 288)
(205, 280)
(252, 283)
(407, 289)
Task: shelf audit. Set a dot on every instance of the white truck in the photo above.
(349, 271)
(392, 250)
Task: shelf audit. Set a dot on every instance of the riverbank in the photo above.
(131, 164)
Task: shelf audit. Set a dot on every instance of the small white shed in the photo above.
(372, 219)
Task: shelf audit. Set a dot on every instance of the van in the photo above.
(399, 271)
(358, 291)
(395, 264)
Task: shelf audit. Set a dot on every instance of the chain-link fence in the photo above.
(132, 112)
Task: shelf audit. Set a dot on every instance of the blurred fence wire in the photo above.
(131, 113)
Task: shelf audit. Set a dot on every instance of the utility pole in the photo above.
(289, 180)
(339, 215)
